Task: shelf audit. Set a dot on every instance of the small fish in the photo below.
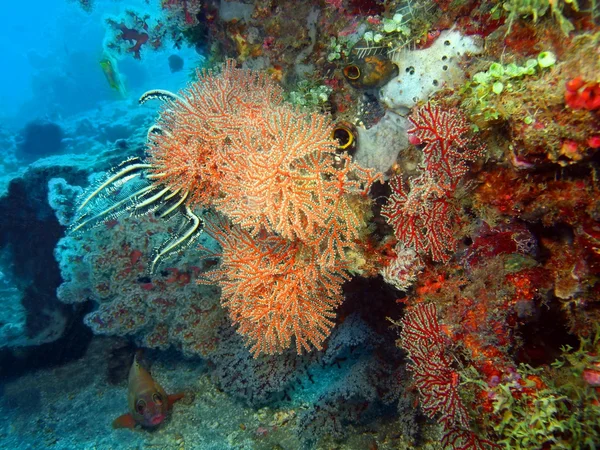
(148, 401)
(112, 75)
(370, 72)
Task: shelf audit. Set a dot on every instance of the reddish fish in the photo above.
(148, 401)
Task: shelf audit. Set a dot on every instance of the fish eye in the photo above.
(157, 399)
(140, 406)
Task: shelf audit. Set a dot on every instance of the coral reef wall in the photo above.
(335, 224)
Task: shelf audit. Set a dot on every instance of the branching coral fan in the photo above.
(230, 143)
(134, 33)
(422, 336)
(195, 130)
(422, 216)
(275, 289)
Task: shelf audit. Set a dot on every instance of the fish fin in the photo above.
(124, 421)
(140, 359)
(174, 398)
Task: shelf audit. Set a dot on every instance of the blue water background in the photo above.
(51, 51)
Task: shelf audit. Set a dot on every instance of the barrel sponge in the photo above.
(423, 72)
(379, 146)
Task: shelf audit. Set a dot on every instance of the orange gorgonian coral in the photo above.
(297, 207)
(230, 143)
(281, 175)
(195, 129)
(274, 289)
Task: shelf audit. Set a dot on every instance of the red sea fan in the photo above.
(446, 151)
(422, 216)
(422, 337)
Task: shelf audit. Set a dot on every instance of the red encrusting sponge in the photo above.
(580, 94)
